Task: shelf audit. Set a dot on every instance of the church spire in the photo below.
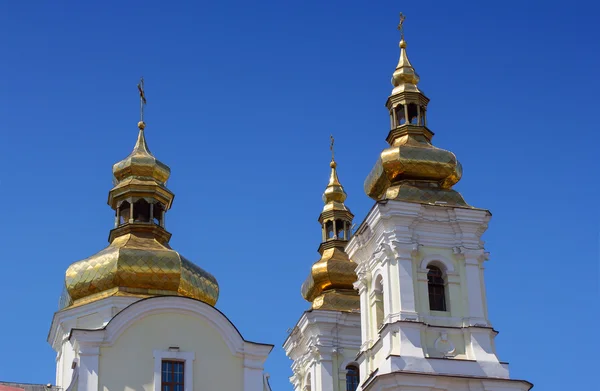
(329, 284)
(412, 169)
(404, 78)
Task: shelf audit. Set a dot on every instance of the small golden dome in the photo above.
(141, 164)
(334, 192)
(333, 274)
(405, 78)
(137, 264)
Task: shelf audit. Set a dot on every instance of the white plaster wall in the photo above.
(128, 364)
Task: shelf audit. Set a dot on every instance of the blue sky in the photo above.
(242, 97)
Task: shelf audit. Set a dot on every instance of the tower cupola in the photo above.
(138, 261)
(411, 168)
(329, 284)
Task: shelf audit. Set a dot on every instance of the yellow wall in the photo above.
(128, 365)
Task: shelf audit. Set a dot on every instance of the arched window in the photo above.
(124, 213)
(339, 228)
(400, 115)
(351, 377)
(141, 211)
(329, 229)
(437, 289)
(379, 302)
(413, 114)
(157, 213)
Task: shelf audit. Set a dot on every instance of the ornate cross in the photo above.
(140, 87)
(331, 145)
(401, 25)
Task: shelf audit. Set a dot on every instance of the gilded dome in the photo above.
(138, 264)
(138, 261)
(141, 163)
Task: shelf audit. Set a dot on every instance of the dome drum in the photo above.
(403, 134)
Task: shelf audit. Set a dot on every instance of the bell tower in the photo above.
(420, 263)
(325, 341)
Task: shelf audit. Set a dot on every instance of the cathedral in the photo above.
(398, 303)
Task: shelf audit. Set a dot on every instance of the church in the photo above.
(399, 303)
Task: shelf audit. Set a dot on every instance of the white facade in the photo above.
(322, 345)
(405, 345)
(118, 343)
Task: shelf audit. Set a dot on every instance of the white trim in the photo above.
(448, 265)
(188, 369)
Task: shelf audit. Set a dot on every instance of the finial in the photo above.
(332, 164)
(140, 87)
(401, 28)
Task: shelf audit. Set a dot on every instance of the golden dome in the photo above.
(334, 195)
(404, 77)
(412, 169)
(141, 163)
(330, 282)
(139, 261)
(138, 264)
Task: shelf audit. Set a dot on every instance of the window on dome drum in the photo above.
(124, 213)
(329, 229)
(339, 227)
(422, 117)
(437, 290)
(413, 114)
(400, 117)
(351, 378)
(172, 376)
(141, 211)
(157, 213)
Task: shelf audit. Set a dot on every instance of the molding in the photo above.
(448, 264)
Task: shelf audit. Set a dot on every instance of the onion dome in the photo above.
(411, 168)
(404, 78)
(138, 261)
(329, 286)
(141, 163)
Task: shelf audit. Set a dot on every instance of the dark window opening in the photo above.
(339, 229)
(352, 378)
(157, 213)
(329, 229)
(400, 118)
(413, 114)
(422, 118)
(437, 289)
(141, 211)
(124, 212)
(172, 376)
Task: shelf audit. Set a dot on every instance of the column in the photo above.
(151, 213)
(473, 259)
(88, 368)
(324, 370)
(406, 288)
(131, 210)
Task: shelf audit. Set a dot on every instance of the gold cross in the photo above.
(401, 25)
(140, 87)
(331, 145)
